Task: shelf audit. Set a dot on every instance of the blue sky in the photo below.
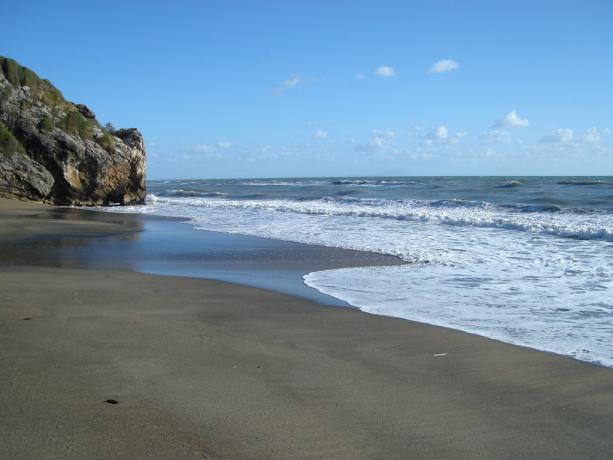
(336, 88)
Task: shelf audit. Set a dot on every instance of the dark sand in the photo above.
(206, 369)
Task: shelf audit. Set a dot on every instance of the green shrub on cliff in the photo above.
(66, 116)
(8, 143)
(42, 89)
(51, 95)
(10, 69)
(46, 124)
(28, 78)
(75, 123)
(106, 141)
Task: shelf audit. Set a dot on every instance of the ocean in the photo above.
(524, 260)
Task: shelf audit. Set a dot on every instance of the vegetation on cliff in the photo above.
(64, 114)
(8, 142)
(56, 151)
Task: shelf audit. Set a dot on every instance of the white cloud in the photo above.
(457, 137)
(292, 81)
(385, 71)
(512, 120)
(379, 138)
(441, 135)
(443, 66)
(592, 136)
(566, 135)
(557, 136)
(320, 134)
(383, 133)
(378, 141)
(496, 135)
(204, 148)
(209, 149)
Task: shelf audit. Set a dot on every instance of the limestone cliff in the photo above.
(55, 151)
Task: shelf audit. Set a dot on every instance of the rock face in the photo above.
(55, 151)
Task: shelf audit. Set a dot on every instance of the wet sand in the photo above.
(208, 369)
(169, 246)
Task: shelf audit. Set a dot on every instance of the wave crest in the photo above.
(548, 220)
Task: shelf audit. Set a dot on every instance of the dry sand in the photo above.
(206, 369)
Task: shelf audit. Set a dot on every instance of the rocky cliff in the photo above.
(55, 151)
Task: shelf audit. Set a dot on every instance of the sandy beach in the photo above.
(208, 369)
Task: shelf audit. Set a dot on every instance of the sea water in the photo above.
(525, 260)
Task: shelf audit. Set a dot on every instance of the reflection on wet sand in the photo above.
(57, 237)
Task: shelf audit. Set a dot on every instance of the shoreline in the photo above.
(364, 259)
(207, 368)
(182, 227)
(171, 246)
(320, 258)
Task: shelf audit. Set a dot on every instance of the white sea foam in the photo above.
(566, 224)
(540, 279)
(280, 183)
